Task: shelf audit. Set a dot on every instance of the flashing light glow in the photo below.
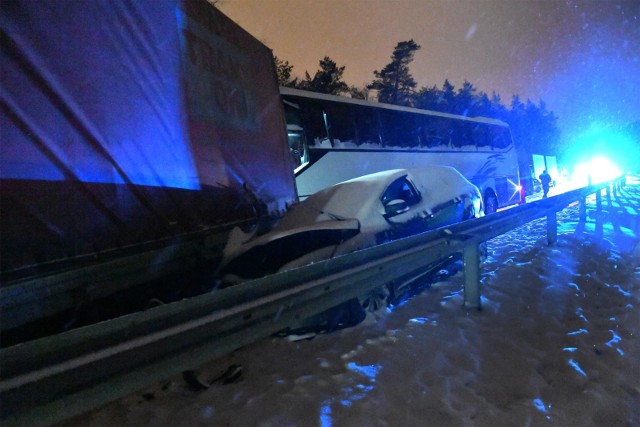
(517, 188)
(597, 170)
(601, 153)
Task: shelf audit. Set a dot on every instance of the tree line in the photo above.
(534, 128)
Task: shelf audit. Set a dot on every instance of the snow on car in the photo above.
(353, 215)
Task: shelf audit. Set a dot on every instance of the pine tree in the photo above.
(328, 79)
(497, 111)
(465, 100)
(429, 98)
(394, 82)
(283, 71)
(482, 107)
(516, 120)
(448, 97)
(359, 93)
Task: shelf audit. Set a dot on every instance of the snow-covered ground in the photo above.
(557, 343)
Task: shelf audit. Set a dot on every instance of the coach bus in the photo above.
(333, 139)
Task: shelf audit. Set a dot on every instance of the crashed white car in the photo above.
(353, 215)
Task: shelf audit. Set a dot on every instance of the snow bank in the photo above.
(557, 343)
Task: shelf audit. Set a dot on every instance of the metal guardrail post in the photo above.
(471, 276)
(583, 209)
(607, 192)
(552, 228)
(599, 215)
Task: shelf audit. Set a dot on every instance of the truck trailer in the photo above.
(134, 136)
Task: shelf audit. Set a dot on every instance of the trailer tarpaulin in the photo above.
(124, 122)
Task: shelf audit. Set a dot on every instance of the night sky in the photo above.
(582, 58)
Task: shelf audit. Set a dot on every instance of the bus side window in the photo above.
(298, 149)
(464, 134)
(482, 136)
(398, 129)
(313, 118)
(341, 123)
(429, 134)
(438, 132)
(297, 146)
(499, 137)
(367, 125)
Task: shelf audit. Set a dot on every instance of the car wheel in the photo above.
(375, 299)
(490, 203)
(345, 315)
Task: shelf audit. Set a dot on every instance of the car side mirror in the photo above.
(395, 207)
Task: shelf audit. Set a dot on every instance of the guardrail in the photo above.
(36, 297)
(54, 378)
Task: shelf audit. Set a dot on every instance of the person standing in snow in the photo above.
(545, 180)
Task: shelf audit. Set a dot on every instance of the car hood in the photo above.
(247, 255)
